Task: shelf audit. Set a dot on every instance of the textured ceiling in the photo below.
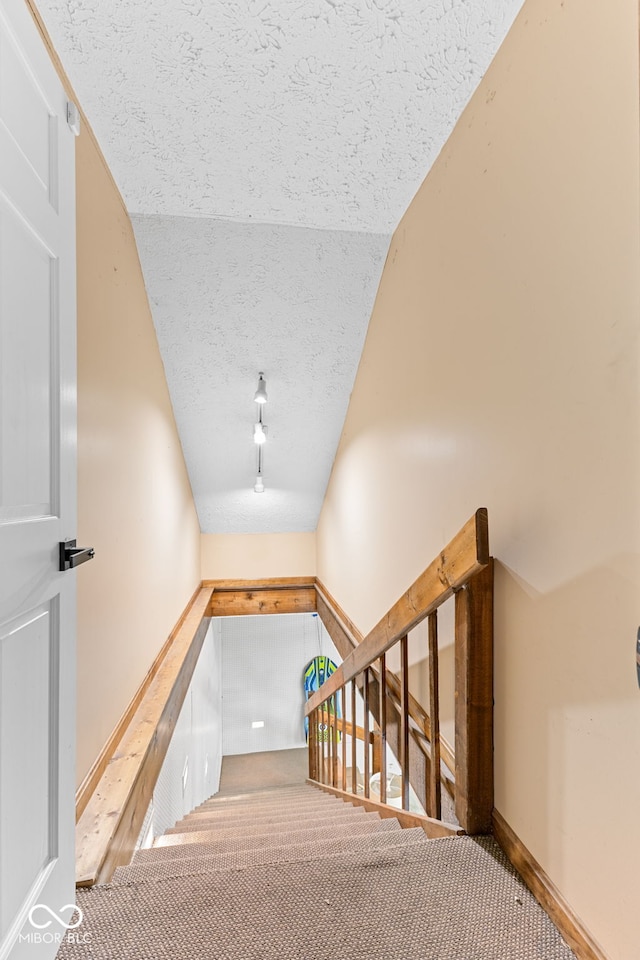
(313, 112)
(268, 148)
(231, 299)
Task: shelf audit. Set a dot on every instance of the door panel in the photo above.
(28, 330)
(37, 492)
(24, 110)
(28, 760)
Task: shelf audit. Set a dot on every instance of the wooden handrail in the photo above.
(465, 569)
(90, 782)
(108, 828)
(465, 556)
(346, 636)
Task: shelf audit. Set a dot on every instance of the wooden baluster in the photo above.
(375, 749)
(365, 697)
(318, 721)
(382, 712)
(330, 744)
(343, 741)
(354, 740)
(310, 745)
(434, 796)
(323, 743)
(404, 720)
(329, 748)
(334, 743)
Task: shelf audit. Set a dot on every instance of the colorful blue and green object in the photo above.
(316, 672)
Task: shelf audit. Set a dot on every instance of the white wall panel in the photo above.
(191, 769)
(263, 661)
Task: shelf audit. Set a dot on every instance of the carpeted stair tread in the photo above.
(281, 822)
(288, 853)
(225, 823)
(234, 841)
(291, 790)
(266, 809)
(308, 803)
(268, 795)
(275, 836)
(270, 810)
(452, 899)
(270, 816)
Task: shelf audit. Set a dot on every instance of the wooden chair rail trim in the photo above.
(271, 583)
(109, 825)
(416, 711)
(242, 603)
(432, 828)
(88, 786)
(464, 556)
(345, 727)
(347, 625)
(546, 892)
(420, 727)
(238, 598)
(449, 782)
(446, 752)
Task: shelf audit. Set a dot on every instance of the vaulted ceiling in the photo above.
(266, 150)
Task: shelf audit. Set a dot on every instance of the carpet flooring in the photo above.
(348, 886)
(270, 768)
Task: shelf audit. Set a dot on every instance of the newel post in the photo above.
(474, 702)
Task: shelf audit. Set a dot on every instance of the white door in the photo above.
(37, 494)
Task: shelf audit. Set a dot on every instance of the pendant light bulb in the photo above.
(259, 432)
(259, 484)
(261, 392)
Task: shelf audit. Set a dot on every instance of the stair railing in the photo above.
(346, 637)
(463, 569)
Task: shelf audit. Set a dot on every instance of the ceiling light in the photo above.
(261, 392)
(258, 486)
(259, 432)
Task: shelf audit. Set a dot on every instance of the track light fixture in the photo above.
(261, 392)
(258, 486)
(260, 430)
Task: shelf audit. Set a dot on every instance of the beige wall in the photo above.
(134, 499)
(501, 369)
(257, 556)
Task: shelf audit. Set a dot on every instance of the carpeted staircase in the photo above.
(293, 874)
